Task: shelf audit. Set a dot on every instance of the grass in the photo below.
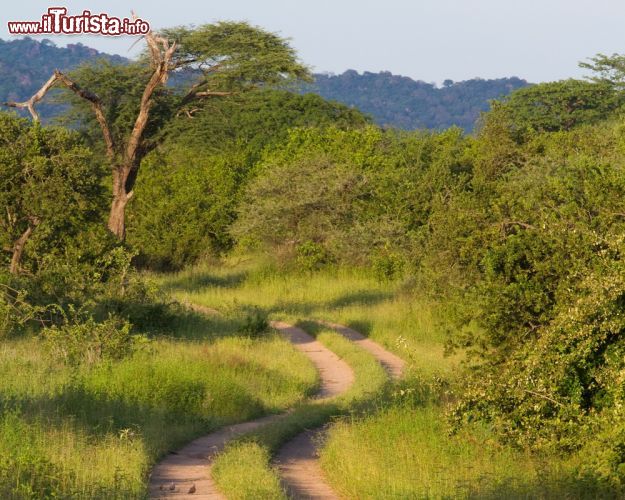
(94, 432)
(250, 455)
(382, 310)
(243, 471)
(405, 451)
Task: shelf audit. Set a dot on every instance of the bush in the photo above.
(255, 323)
(387, 267)
(87, 341)
(311, 256)
(16, 313)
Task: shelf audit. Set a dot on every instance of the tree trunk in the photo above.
(18, 250)
(124, 177)
(117, 216)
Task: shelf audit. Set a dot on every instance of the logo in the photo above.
(57, 22)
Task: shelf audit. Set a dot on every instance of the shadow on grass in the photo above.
(361, 326)
(195, 281)
(308, 308)
(360, 297)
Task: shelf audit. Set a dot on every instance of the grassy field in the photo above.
(398, 444)
(94, 432)
(382, 310)
(405, 451)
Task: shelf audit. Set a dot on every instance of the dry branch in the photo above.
(95, 101)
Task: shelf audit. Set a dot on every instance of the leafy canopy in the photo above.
(210, 61)
(44, 172)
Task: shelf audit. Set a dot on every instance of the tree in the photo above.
(43, 173)
(129, 104)
(181, 214)
(609, 69)
(353, 196)
(561, 105)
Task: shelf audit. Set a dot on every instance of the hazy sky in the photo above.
(429, 40)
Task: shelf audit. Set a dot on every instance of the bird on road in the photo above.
(192, 489)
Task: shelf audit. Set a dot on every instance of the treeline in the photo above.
(400, 102)
(391, 100)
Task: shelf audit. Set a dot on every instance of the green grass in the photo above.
(244, 471)
(250, 455)
(384, 311)
(94, 432)
(405, 451)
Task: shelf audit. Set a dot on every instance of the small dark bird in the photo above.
(172, 486)
(192, 489)
(161, 487)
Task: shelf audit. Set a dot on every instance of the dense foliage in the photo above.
(44, 173)
(188, 192)
(553, 106)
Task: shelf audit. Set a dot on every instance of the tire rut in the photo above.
(185, 474)
(298, 460)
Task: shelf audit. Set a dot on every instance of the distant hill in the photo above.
(392, 100)
(399, 101)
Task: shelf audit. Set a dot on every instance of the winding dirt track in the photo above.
(190, 466)
(297, 460)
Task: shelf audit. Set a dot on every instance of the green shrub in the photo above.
(87, 341)
(16, 313)
(311, 256)
(387, 267)
(255, 323)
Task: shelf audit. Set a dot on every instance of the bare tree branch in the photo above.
(95, 101)
(161, 53)
(30, 103)
(96, 105)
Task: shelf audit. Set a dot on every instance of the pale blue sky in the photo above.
(430, 40)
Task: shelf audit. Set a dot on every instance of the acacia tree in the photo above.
(129, 104)
(607, 69)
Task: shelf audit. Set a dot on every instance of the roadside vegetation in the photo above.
(95, 430)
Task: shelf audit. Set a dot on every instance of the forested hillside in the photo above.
(401, 102)
(391, 100)
(25, 64)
